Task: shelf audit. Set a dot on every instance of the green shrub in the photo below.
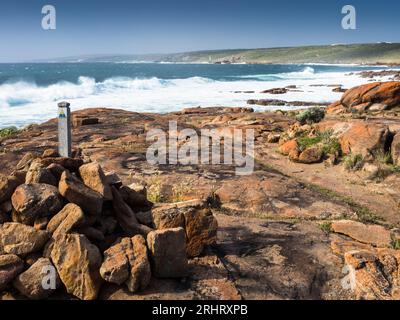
(310, 116)
(328, 144)
(383, 157)
(395, 243)
(8, 131)
(326, 227)
(305, 141)
(353, 162)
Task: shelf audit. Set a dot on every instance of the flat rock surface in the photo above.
(370, 234)
(270, 243)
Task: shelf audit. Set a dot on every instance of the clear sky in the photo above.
(163, 26)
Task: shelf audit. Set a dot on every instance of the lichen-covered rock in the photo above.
(168, 252)
(39, 281)
(19, 239)
(77, 262)
(93, 177)
(10, 266)
(127, 262)
(32, 201)
(76, 192)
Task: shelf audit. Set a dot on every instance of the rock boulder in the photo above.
(168, 252)
(32, 201)
(78, 263)
(76, 192)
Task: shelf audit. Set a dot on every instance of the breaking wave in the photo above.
(24, 102)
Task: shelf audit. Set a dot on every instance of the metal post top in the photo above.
(64, 104)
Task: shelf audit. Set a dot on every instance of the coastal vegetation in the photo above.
(375, 53)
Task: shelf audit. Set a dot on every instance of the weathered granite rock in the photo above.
(31, 258)
(366, 276)
(115, 267)
(32, 201)
(127, 262)
(126, 217)
(289, 147)
(167, 216)
(145, 217)
(93, 177)
(107, 225)
(50, 153)
(197, 220)
(311, 155)
(371, 234)
(201, 230)
(78, 121)
(396, 149)
(41, 223)
(26, 161)
(6, 207)
(133, 198)
(77, 262)
(4, 217)
(387, 93)
(276, 91)
(113, 179)
(70, 217)
(8, 186)
(71, 164)
(37, 173)
(76, 192)
(92, 233)
(273, 137)
(140, 265)
(56, 170)
(376, 96)
(366, 139)
(37, 282)
(168, 252)
(10, 266)
(19, 239)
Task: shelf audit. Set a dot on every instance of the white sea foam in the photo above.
(22, 103)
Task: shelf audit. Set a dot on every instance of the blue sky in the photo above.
(161, 26)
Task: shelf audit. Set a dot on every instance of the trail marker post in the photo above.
(64, 129)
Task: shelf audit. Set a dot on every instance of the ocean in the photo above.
(29, 93)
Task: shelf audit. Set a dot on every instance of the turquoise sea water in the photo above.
(29, 92)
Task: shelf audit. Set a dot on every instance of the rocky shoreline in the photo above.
(324, 195)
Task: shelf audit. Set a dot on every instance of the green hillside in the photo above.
(378, 53)
(357, 53)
